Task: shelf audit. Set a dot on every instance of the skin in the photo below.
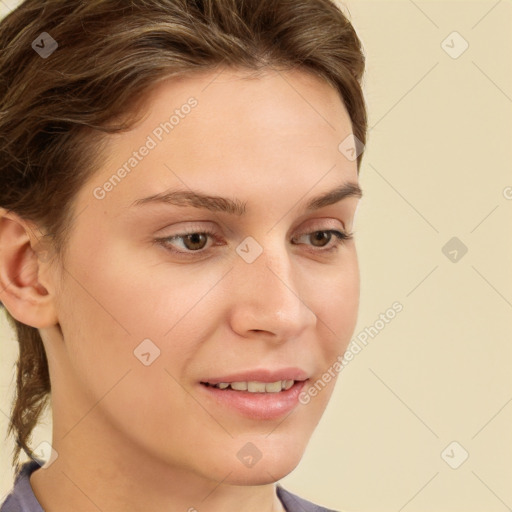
(141, 438)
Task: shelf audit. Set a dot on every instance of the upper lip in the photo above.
(261, 375)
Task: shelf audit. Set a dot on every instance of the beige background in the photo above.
(437, 166)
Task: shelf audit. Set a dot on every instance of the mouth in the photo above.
(262, 397)
(255, 386)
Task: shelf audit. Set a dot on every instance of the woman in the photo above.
(178, 186)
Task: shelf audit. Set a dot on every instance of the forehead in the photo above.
(225, 130)
(233, 106)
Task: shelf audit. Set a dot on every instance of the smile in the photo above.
(255, 386)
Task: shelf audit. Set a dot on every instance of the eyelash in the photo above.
(340, 237)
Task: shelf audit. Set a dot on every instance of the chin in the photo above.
(263, 472)
(275, 461)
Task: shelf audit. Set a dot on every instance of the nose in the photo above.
(267, 297)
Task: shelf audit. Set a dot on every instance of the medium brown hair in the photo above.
(55, 111)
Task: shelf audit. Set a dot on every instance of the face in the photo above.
(159, 296)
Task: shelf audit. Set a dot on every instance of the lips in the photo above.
(260, 394)
(255, 386)
(262, 375)
(254, 405)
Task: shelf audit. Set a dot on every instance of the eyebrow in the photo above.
(200, 200)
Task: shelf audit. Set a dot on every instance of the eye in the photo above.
(323, 238)
(195, 242)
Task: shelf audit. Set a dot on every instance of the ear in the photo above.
(24, 266)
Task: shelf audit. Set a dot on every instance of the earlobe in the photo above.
(22, 292)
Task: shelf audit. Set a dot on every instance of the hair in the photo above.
(55, 112)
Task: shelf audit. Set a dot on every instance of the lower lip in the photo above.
(259, 406)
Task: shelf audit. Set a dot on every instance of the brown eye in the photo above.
(195, 241)
(188, 243)
(321, 238)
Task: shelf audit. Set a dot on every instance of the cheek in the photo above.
(111, 385)
(337, 311)
(337, 305)
(147, 294)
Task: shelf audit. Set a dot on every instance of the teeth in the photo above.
(287, 384)
(273, 387)
(257, 387)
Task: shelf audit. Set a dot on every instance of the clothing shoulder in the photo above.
(294, 503)
(22, 498)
